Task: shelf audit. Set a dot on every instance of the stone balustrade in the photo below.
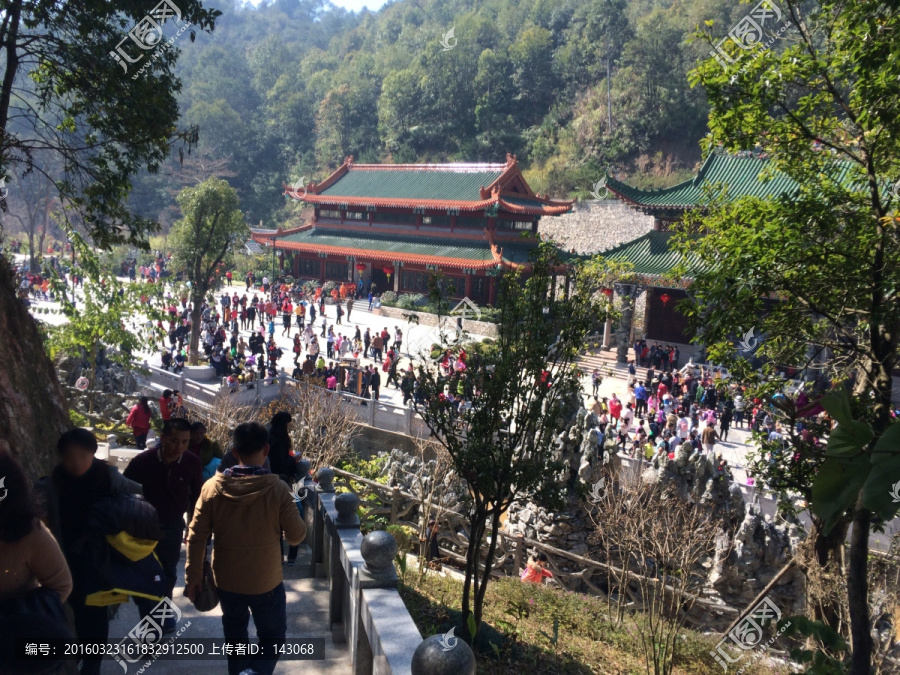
(366, 610)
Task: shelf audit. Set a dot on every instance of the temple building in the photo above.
(656, 294)
(397, 224)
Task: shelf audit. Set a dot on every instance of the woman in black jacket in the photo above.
(70, 492)
(282, 462)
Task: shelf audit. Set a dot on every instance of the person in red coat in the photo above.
(615, 407)
(166, 403)
(139, 421)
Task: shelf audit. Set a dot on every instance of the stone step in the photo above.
(307, 617)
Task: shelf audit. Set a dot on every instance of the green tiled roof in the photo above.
(522, 201)
(740, 173)
(651, 255)
(474, 251)
(413, 184)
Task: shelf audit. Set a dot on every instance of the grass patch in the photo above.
(519, 619)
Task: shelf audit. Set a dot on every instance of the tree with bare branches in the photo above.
(659, 542)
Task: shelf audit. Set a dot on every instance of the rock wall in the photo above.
(406, 472)
(745, 561)
(595, 226)
(33, 407)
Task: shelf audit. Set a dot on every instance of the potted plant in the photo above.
(329, 291)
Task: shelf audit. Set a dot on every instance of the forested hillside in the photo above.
(289, 89)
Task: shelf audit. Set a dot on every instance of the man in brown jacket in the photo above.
(246, 509)
(377, 345)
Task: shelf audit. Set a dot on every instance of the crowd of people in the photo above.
(669, 408)
(238, 339)
(61, 538)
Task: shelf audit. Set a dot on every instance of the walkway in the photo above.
(307, 615)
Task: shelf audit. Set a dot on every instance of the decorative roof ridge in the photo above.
(544, 199)
(454, 167)
(472, 205)
(278, 232)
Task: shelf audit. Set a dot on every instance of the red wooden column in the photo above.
(469, 285)
(322, 270)
(492, 290)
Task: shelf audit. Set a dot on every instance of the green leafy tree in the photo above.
(65, 102)
(531, 59)
(503, 446)
(106, 315)
(203, 240)
(815, 271)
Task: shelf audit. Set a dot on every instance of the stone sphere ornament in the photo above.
(443, 654)
(378, 549)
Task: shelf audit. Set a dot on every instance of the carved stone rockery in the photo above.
(749, 553)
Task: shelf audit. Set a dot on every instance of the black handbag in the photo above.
(207, 597)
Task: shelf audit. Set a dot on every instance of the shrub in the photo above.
(489, 314)
(407, 538)
(328, 287)
(389, 299)
(404, 302)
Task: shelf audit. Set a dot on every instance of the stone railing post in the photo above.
(345, 517)
(338, 514)
(347, 506)
(408, 414)
(313, 518)
(443, 655)
(378, 549)
(324, 478)
(372, 405)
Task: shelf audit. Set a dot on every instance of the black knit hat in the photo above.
(281, 419)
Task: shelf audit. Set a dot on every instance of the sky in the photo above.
(356, 5)
(349, 5)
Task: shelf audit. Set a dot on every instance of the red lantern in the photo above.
(665, 298)
(387, 269)
(360, 267)
(607, 292)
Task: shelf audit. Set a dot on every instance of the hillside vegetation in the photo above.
(287, 90)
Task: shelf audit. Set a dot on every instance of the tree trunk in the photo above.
(471, 585)
(488, 564)
(195, 329)
(42, 234)
(33, 408)
(858, 593)
(828, 552)
(31, 266)
(828, 548)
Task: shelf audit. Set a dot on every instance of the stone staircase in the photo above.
(606, 362)
(307, 617)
